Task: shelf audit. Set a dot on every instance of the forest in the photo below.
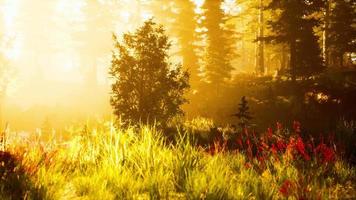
(177, 99)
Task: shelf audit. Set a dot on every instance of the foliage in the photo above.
(147, 87)
(341, 30)
(133, 163)
(243, 114)
(220, 44)
(294, 27)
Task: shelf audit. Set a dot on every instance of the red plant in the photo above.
(281, 145)
(301, 148)
(274, 149)
(275, 144)
(286, 188)
(327, 154)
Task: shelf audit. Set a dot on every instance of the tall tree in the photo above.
(261, 43)
(147, 87)
(92, 35)
(294, 27)
(220, 44)
(186, 24)
(180, 18)
(341, 30)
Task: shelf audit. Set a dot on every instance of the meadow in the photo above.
(193, 160)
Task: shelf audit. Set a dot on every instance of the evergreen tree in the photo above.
(243, 114)
(294, 27)
(341, 30)
(308, 53)
(185, 25)
(179, 17)
(147, 87)
(98, 24)
(220, 44)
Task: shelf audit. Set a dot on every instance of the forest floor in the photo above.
(141, 163)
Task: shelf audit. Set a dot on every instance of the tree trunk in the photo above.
(293, 60)
(261, 63)
(326, 32)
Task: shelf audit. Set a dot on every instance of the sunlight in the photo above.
(230, 7)
(10, 11)
(11, 44)
(125, 16)
(71, 9)
(177, 99)
(199, 3)
(14, 49)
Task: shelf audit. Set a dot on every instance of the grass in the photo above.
(139, 163)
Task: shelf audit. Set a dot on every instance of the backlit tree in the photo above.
(147, 86)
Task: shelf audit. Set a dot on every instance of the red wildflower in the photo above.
(301, 148)
(248, 142)
(281, 145)
(261, 159)
(326, 152)
(286, 188)
(247, 165)
(274, 149)
(239, 142)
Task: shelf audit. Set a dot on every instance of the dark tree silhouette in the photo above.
(147, 87)
(243, 114)
(294, 27)
(220, 48)
(341, 30)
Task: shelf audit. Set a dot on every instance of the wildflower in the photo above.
(239, 142)
(274, 149)
(286, 188)
(301, 148)
(328, 155)
(281, 145)
(326, 152)
(247, 165)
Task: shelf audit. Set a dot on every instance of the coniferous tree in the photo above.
(243, 114)
(308, 53)
(341, 30)
(98, 22)
(179, 17)
(260, 55)
(294, 27)
(147, 87)
(185, 25)
(220, 44)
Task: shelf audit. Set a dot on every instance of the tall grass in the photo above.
(139, 163)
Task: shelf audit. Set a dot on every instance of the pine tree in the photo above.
(341, 30)
(308, 53)
(147, 87)
(294, 27)
(220, 44)
(243, 114)
(185, 26)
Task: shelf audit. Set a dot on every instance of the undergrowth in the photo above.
(141, 163)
